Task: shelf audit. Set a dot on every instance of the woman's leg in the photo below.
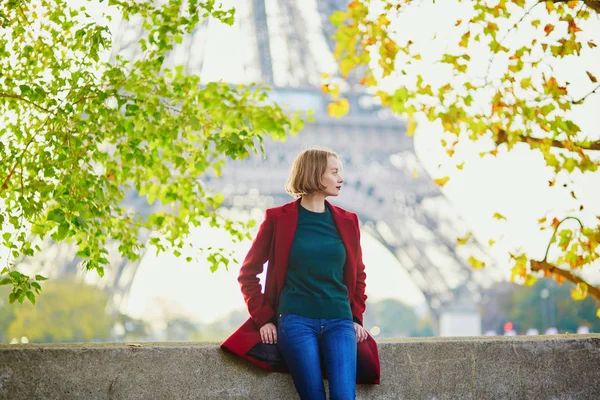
(338, 343)
(297, 338)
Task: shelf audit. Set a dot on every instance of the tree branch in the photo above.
(14, 96)
(556, 230)
(593, 4)
(503, 138)
(545, 266)
(584, 97)
(491, 60)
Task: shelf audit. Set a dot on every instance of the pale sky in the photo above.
(514, 184)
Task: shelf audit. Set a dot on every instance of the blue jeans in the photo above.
(303, 340)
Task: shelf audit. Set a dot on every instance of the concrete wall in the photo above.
(522, 367)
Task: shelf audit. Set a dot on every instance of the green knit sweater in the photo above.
(314, 284)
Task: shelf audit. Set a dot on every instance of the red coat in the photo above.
(273, 243)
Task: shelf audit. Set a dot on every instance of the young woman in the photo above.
(309, 319)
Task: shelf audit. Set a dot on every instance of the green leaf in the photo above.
(6, 281)
(85, 253)
(40, 278)
(56, 215)
(102, 130)
(31, 297)
(15, 275)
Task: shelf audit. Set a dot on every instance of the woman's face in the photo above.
(332, 178)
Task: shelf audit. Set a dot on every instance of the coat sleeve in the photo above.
(359, 296)
(260, 311)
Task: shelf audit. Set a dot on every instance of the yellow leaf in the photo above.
(579, 292)
(324, 75)
(346, 66)
(339, 108)
(530, 280)
(491, 242)
(412, 126)
(415, 173)
(441, 181)
(541, 220)
(461, 165)
(499, 216)
(383, 20)
(517, 270)
(462, 241)
(598, 313)
(354, 4)
(334, 91)
(550, 5)
(464, 41)
(475, 263)
(325, 88)
(384, 97)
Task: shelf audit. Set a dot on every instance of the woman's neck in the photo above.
(314, 203)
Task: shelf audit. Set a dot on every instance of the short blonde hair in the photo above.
(307, 171)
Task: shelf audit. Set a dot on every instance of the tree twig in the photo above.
(14, 96)
(584, 97)
(554, 234)
(545, 266)
(503, 138)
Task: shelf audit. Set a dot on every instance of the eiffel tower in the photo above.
(287, 45)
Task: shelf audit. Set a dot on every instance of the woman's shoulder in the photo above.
(278, 210)
(343, 212)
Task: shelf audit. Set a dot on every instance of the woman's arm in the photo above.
(359, 298)
(260, 311)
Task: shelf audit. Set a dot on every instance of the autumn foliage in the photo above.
(517, 100)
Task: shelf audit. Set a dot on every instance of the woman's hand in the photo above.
(268, 333)
(361, 333)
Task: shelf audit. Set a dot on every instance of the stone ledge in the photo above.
(519, 367)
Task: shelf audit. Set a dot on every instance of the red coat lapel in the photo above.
(284, 236)
(347, 231)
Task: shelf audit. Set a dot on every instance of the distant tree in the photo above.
(542, 306)
(7, 314)
(517, 99)
(69, 311)
(127, 328)
(77, 132)
(395, 319)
